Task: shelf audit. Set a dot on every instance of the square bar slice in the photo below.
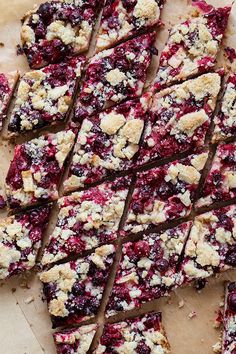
(147, 269)
(164, 193)
(180, 117)
(107, 143)
(211, 246)
(20, 240)
(144, 334)
(7, 85)
(192, 46)
(75, 340)
(74, 290)
(87, 220)
(123, 19)
(229, 320)
(57, 29)
(115, 75)
(220, 184)
(225, 121)
(44, 97)
(36, 169)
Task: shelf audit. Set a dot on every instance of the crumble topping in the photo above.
(36, 169)
(44, 96)
(20, 240)
(147, 9)
(107, 142)
(74, 290)
(220, 183)
(229, 320)
(147, 268)
(164, 193)
(137, 335)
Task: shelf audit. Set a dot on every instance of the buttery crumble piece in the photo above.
(220, 184)
(7, 85)
(75, 340)
(74, 289)
(229, 321)
(57, 29)
(210, 248)
(87, 219)
(179, 118)
(115, 75)
(124, 19)
(192, 46)
(225, 121)
(20, 240)
(144, 334)
(44, 97)
(164, 193)
(36, 169)
(107, 143)
(147, 269)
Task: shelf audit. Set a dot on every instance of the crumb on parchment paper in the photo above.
(192, 314)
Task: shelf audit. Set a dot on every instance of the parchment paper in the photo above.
(24, 321)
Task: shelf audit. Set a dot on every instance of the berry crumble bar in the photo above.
(220, 184)
(74, 290)
(211, 245)
(142, 335)
(75, 340)
(87, 219)
(180, 117)
(36, 169)
(44, 97)
(229, 332)
(115, 75)
(225, 121)
(123, 19)
(20, 240)
(7, 85)
(164, 193)
(192, 47)
(147, 269)
(108, 142)
(57, 29)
